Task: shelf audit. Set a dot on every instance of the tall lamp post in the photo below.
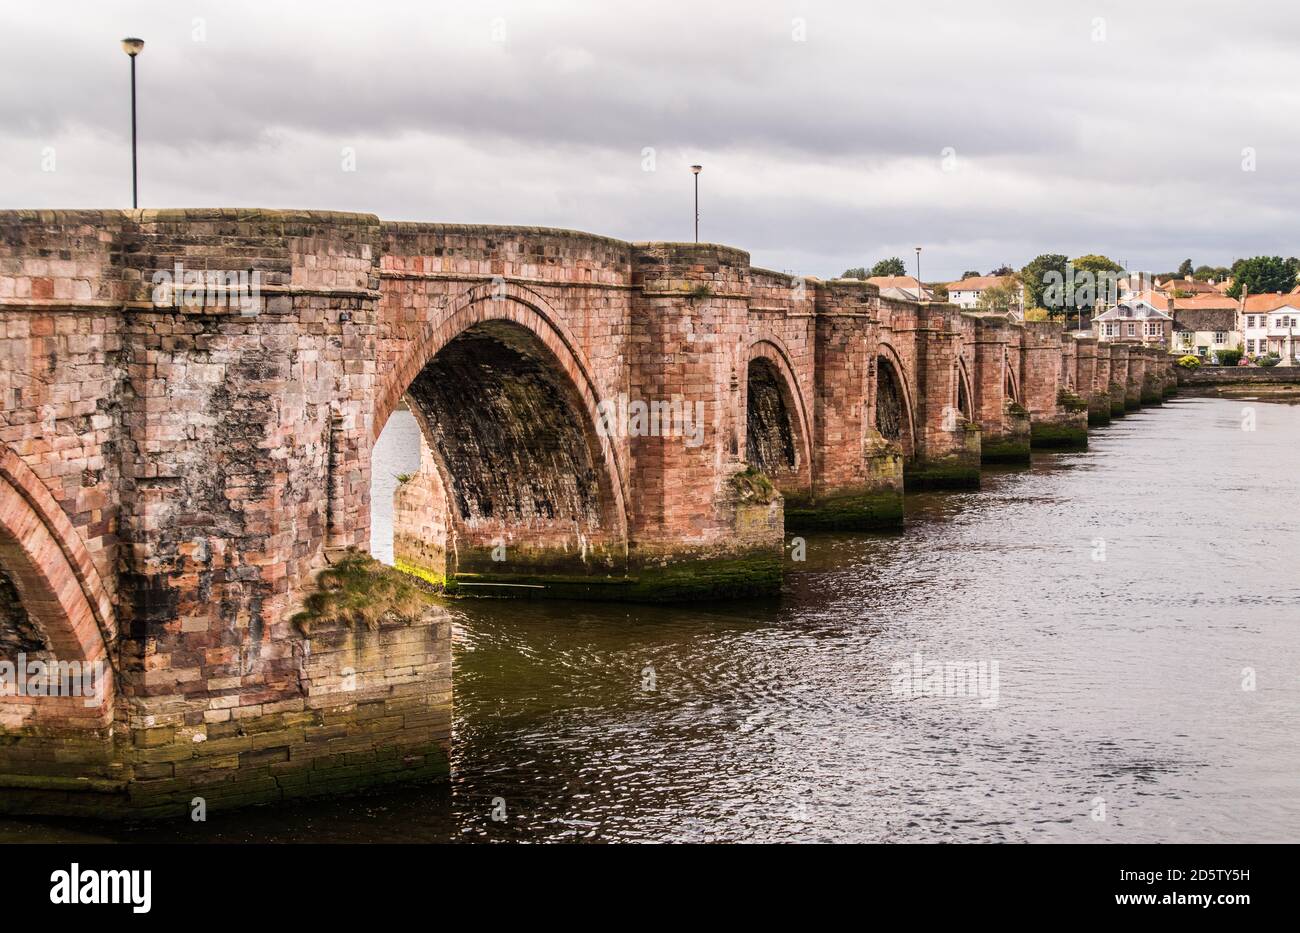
(920, 289)
(695, 170)
(133, 47)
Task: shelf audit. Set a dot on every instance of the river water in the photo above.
(1129, 597)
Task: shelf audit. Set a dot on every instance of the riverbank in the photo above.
(1274, 384)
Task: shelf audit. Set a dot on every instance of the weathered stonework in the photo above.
(175, 475)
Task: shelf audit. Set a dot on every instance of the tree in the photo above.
(1003, 269)
(970, 274)
(1039, 276)
(1261, 274)
(857, 272)
(1205, 273)
(1000, 298)
(1088, 292)
(1184, 268)
(892, 266)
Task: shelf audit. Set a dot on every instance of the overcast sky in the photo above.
(831, 134)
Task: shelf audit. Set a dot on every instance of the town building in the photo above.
(901, 287)
(1270, 324)
(966, 293)
(1204, 324)
(1142, 319)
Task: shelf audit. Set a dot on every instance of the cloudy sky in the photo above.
(831, 134)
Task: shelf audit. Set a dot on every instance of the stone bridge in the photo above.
(190, 400)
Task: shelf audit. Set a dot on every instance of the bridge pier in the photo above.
(1117, 389)
(858, 446)
(948, 438)
(1133, 379)
(1058, 417)
(701, 523)
(1004, 422)
(1099, 393)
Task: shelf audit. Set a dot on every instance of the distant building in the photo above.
(901, 287)
(1205, 324)
(1143, 319)
(966, 293)
(1271, 324)
(1189, 286)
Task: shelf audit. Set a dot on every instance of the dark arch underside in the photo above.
(769, 440)
(508, 431)
(19, 632)
(963, 397)
(890, 417)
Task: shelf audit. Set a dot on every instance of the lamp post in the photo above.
(133, 47)
(695, 170)
(920, 289)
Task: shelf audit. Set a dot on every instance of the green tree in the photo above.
(1261, 274)
(1092, 285)
(1205, 273)
(1044, 279)
(1003, 269)
(891, 266)
(1184, 268)
(857, 272)
(970, 274)
(1000, 298)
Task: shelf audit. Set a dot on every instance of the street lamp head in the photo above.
(697, 169)
(132, 47)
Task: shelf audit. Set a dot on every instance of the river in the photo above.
(1129, 597)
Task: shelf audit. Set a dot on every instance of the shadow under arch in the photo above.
(777, 432)
(513, 457)
(965, 402)
(1011, 385)
(894, 418)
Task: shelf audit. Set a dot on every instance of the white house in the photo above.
(1271, 324)
(966, 293)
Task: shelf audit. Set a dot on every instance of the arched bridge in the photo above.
(191, 397)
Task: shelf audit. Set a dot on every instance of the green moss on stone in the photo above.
(1004, 449)
(949, 473)
(1051, 435)
(356, 588)
(753, 486)
(866, 511)
(755, 574)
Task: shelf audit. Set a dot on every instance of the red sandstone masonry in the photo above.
(173, 478)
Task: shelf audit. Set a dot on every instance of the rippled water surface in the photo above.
(1120, 681)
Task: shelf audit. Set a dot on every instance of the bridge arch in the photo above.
(515, 456)
(965, 401)
(1011, 384)
(53, 606)
(894, 417)
(778, 436)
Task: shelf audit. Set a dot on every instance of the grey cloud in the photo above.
(816, 151)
